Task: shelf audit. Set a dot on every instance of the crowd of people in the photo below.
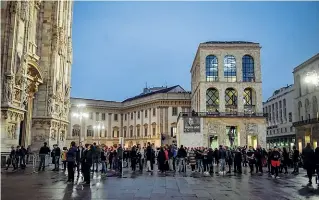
(169, 158)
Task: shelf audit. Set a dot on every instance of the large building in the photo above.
(36, 58)
(306, 97)
(148, 117)
(226, 97)
(280, 115)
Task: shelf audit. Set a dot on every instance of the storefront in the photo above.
(287, 141)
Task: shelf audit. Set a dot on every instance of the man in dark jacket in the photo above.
(295, 160)
(71, 158)
(42, 153)
(57, 155)
(87, 163)
(237, 161)
(149, 157)
(12, 159)
(181, 154)
(308, 158)
(79, 155)
(258, 154)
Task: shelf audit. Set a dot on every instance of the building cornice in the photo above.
(306, 63)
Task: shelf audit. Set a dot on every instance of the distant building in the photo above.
(148, 117)
(226, 97)
(280, 115)
(306, 97)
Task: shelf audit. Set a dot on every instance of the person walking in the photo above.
(11, 160)
(71, 158)
(149, 157)
(251, 159)
(275, 163)
(295, 160)
(308, 158)
(44, 151)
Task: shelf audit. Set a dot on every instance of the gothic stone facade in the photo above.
(36, 54)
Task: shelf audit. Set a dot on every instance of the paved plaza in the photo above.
(52, 185)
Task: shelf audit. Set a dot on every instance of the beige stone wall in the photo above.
(200, 85)
(247, 128)
(162, 121)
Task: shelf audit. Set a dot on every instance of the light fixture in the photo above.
(312, 78)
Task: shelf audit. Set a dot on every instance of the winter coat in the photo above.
(192, 158)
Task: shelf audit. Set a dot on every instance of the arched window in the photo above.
(76, 130)
(307, 109)
(124, 132)
(131, 131)
(212, 100)
(249, 100)
(211, 68)
(138, 130)
(248, 69)
(145, 130)
(231, 100)
(230, 68)
(90, 131)
(314, 107)
(153, 128)
(298, 85)
(116, 132)
(299, 111)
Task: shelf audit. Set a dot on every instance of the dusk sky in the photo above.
(118, 47)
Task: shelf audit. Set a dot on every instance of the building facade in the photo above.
(226, 97)
(36, 55)
(148, 117)
(306, 97)
(279, 109)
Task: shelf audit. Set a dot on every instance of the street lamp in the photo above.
(80, 115)
(100, 126)
(312, 78)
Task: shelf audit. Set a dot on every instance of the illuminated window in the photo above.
(248, 68)
(211, 68)
(212, 100)
(230, 68)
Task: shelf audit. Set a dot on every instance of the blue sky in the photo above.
(118, 47)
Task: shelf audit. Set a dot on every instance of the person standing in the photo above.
(44, 151)
(317, 164)
(258, 155)
(57, 155)
(192, 159)
(251, 159)
(71, 158)
(11, 159)
(79, 154)
(229, 159)
(119, 158)
(295, 160)
(63, 157)
(103, 161)
(275, 163)
(222, 159)
(133, 158)
(23, 154)
(181, 155)
(285, 161)
(149, 157)
(308, 158)
(87, 163)
(140, 153)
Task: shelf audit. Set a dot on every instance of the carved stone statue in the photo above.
(8, 91)
(51, 106)
(62, 136)
(53, 134)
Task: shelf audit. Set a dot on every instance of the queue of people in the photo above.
(169, 158)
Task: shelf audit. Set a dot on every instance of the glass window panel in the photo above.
(230, 69)
(211, 68)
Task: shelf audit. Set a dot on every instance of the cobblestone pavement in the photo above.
(52, 185)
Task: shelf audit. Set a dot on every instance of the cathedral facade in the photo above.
(36, 55)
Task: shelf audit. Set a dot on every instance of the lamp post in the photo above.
(80, 115)
(100, 126)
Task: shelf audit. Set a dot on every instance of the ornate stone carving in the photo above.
(51, 108)
(53, 135)
(13, 6)
(9, 89)
(213, 128)
(67, 90)
(62, 135)
(11, 130)
(251, 128)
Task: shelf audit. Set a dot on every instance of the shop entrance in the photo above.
(213, 141)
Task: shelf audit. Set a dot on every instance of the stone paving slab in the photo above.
(52, 186)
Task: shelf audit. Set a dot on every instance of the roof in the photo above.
(176, 88)
(229, 42)
(307, 62)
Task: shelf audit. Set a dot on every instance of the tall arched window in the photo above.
(285, 109)
(299, 111)
(298, 85)
(212, 100)
(76, 130)
(231, 100)
(307, 109)
(90, 131)
(248, 68)
(211, 68)
(230, 68)
(314, 107)
(249, 100)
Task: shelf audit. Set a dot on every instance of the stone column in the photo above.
(109, 132)
(239, 69)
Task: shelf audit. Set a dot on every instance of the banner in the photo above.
(191, 124)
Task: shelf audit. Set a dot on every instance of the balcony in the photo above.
(305, 122)
(221, 114)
